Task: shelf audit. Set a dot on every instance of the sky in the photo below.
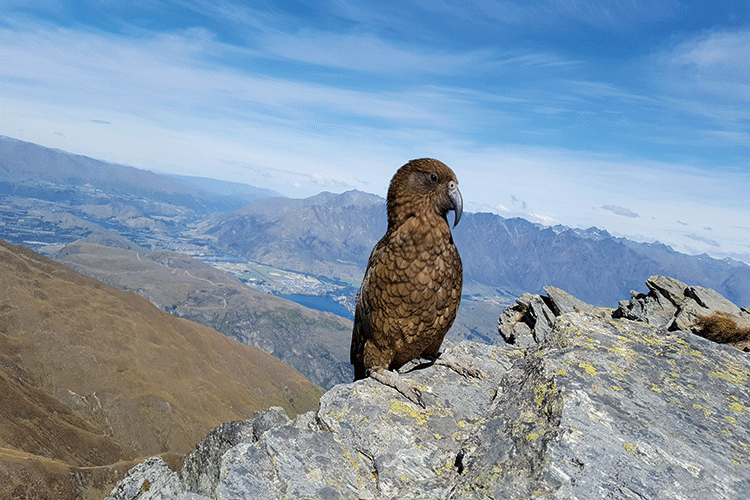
(629, 115)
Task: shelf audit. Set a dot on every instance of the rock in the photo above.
(615, 409)
(654, 309)
(600, 408)
(562, 302)
(512, 327)
(201, 466)
(673, 305)
(526, 323)
(149, 480)
(709, 299)
(669, 288)
(530, 320)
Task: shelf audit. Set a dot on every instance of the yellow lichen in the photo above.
(731, 374)
(738, 408)
(630, 448)
(706, 412)
(589, 368)
(401, 407)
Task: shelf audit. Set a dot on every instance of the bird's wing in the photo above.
(363, 314)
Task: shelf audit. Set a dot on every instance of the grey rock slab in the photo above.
(669, 288)
(711, 300)
(562, 302)
(149, 480)
(405, 450)
(615, 409)
(648, 414)
(526, 323)
(200, 469)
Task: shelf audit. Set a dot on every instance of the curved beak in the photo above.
(458, 203)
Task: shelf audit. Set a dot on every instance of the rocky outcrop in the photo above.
(599, 407)
(673, 305)
(531, 319)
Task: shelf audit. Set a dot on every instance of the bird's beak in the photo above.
(458, 203)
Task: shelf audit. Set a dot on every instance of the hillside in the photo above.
(92, 374)
(313, 342)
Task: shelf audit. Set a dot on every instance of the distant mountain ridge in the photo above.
(327, 234)
(24, 165)
(334, 234)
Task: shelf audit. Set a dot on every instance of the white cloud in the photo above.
(187, 102)
(708, 76)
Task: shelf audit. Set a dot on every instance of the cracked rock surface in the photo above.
(598, 407)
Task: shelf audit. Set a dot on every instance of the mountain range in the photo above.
(63, 197)
(334, 234)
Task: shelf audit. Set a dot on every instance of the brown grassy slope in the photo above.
(35, 422)
(316, 343)
(153, 382)
(27, 476)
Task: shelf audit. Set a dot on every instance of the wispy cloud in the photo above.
(625, 212)
(553, 110)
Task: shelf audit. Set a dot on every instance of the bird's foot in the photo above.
(455, 364)
(402, 385)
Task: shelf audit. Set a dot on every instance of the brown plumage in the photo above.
(412, 286)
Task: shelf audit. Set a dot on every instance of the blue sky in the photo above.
(632, 116)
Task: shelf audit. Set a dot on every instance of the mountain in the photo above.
(313, 342)
(326, 234)
(91, 374)
(52, 197)
(334, 234)
(32, 171)
(249, 194)
(597, 407)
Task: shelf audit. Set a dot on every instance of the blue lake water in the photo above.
(319, 303)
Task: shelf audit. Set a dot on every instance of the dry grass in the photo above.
(93, 374)
(722, 328)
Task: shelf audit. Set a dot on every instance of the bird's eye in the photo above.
(433, 178)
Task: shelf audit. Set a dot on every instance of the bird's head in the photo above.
(422, 186)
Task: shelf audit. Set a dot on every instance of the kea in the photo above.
(412, 285)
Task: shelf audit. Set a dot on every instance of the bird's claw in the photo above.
(414, 395)
(452, 362)
(402, 385)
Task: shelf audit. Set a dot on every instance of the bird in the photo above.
(411, 288)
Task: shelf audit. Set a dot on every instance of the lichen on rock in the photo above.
(587, 405)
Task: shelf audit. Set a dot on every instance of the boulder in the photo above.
(599, 408)
(150, 480)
